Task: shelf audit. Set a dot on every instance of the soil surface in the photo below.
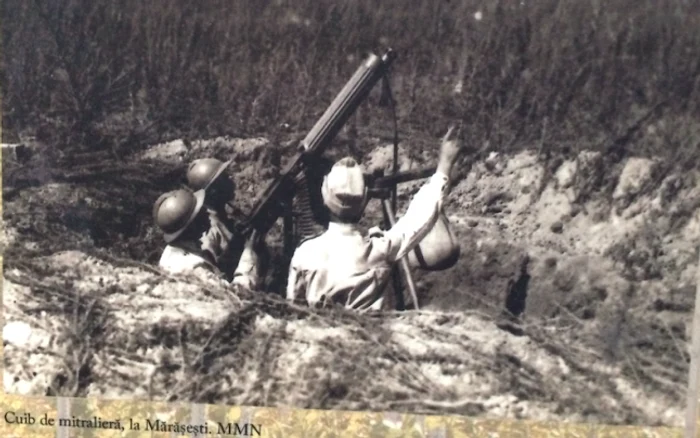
(569, 302)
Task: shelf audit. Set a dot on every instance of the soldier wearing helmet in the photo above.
(198, 242)
(348, 267)
(209, 175)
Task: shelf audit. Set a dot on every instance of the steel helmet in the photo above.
(204, 171)
(174, 211)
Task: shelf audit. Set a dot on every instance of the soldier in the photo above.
(344, 265)
(197, 240)
(209, 175)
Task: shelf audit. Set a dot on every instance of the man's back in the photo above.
(343, 266)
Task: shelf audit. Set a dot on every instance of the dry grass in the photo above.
(259, 350)
(560, 74)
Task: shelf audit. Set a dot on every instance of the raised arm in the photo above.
(420, 217)
(424, 209)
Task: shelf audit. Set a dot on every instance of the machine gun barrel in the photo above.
(348, 100)
(275, 200)
(400, 177)
(381, 186)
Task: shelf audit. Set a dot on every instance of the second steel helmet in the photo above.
(204, 171)
(174, 211)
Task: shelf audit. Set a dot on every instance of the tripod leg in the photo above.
(400, 303)
(403, 263)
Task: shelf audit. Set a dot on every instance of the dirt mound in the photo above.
(618, 267)
(101, 329)
(601, 283)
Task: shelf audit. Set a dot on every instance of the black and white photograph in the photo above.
(450, 207)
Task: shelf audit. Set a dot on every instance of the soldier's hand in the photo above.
(450, 149)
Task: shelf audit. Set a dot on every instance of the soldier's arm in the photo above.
(424, 209)
(246, 273)
(422, 213)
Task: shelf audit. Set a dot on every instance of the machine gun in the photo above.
(382, 187)
(277, 200)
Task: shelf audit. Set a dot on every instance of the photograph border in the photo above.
(277, 422)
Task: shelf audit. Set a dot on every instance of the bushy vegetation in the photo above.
(559, 75)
